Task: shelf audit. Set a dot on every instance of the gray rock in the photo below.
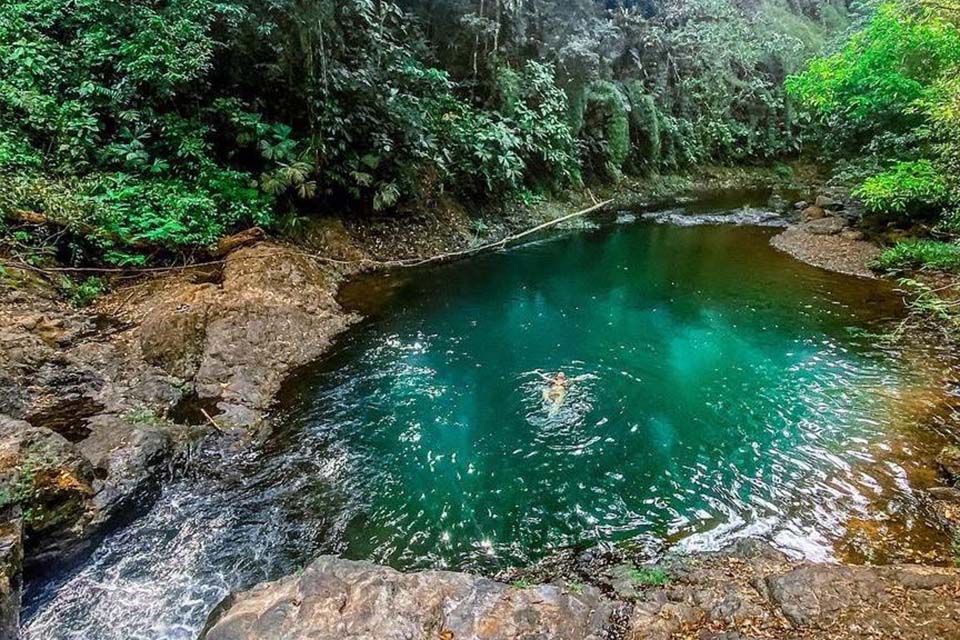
(337, 599)
(881, 602)
(801, 205)
(829, 226)
(826, 202)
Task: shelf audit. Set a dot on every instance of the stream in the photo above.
(717, 389)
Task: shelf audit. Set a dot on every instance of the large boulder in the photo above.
(337, 599)
(236, 340)
(828, 203)
(812, 213)
(828, 226)
(47, 477)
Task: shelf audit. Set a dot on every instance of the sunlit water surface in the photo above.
(722, 389)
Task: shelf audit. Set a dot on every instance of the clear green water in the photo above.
(729, 391)
(723, 386)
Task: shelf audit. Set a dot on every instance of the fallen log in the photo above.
(229, 244)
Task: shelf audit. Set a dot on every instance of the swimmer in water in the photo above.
(557, 391)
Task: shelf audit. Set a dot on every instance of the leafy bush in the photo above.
(873, 82)
(82, 293)
(909, 187)
(921, 254)
(173, 213)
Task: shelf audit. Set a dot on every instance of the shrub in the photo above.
(909, 187)
(921, 254)
(649, 576)
(82, 293)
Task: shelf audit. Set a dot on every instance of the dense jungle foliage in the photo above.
(888, 105)
(137, 130)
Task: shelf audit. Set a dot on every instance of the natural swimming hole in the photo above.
(720, 389)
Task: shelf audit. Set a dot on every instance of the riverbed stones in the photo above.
(833, 252)
(345, 600)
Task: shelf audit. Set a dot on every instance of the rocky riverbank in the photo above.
(826, 235)
(95, 406)
(749, 590)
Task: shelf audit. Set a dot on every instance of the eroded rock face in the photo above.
(344, 600)
(80, 435)
(236, 341)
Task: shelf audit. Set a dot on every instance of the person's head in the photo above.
(561, 376)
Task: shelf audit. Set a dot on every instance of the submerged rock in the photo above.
(944, 502)
(345, 600)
